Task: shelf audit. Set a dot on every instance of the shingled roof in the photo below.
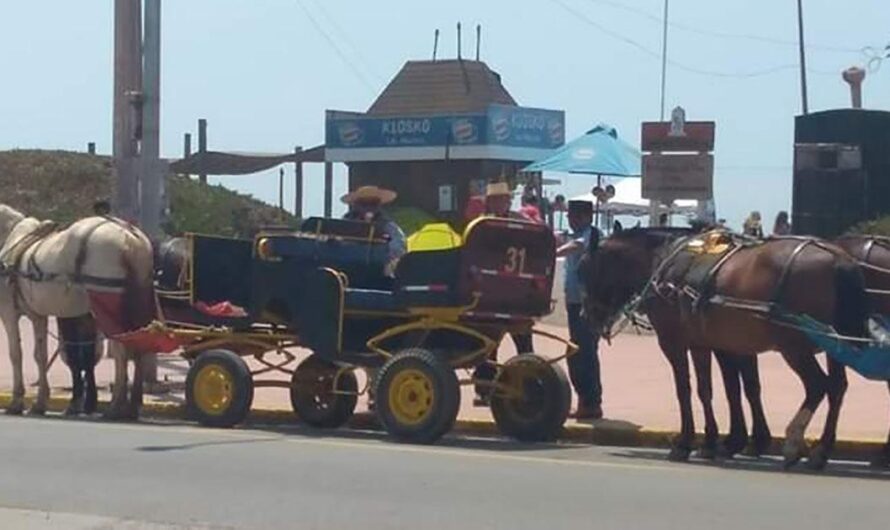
(441, 87)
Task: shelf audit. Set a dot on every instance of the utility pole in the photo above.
(152, 180)
(127, 86)
(664, 55)
(151, 186)
(803, 58)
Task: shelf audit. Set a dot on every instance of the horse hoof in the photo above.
(679, 454)
(15, 409)
(881, 461)
(818, 459)
(707, 453)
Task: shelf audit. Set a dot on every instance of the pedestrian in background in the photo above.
(782, 227)
(584, 365)
(753, 226)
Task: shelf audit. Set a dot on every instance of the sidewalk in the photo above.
(638, 389)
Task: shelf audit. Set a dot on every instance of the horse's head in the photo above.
(619, 269)
(170, 263)
(9, 217)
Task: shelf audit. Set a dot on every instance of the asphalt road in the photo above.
(82, 474)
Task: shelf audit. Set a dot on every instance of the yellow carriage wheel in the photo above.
(214, 388)
(418, 396)
(411, 396)
(219, 389)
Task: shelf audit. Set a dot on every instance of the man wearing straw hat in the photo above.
(365, 204)
(498, 200)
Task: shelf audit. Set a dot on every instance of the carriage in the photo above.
(325, 288)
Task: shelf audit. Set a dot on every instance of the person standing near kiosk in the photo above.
(584, 365)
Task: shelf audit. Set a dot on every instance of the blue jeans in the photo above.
(584, 365)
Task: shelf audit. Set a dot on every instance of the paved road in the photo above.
(81, 474)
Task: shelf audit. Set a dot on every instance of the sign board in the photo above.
(503, 125)
(678, 135)
(671, 177)
(667, 175)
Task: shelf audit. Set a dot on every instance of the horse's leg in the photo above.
(137, 390)
(701, 359)
(814, 383)
(41, 357)
(682, 444)
(75, 406)
(738, 430)
(763, 438)
(91, 394)
(117, 407)
(14, 343)
(837, 388)
(883, 458)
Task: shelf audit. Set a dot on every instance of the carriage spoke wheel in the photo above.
(219, 389)
(315, 398)
(532, 399)
(418, 396)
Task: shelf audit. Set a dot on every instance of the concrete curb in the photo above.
(862, 450)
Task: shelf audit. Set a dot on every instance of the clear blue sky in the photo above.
(263, 72)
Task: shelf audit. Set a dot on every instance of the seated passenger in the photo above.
(498, 200)
(365, 204)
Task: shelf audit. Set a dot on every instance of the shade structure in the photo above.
(628, 200)
(598, 152)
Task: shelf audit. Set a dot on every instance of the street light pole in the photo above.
(803, 58)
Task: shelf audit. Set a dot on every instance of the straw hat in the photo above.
(498, 188)
(370, 194)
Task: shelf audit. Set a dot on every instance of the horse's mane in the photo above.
(655, 236)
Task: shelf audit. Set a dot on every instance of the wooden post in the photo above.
(187, 145)
(328, 189)
(91, 148)
(298, 184)
(202, 144)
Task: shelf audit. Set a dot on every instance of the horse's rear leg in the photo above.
(738, 429)
(883, 458)
(837, 388)
(701, 359)
(682, 444)
(41, 356)
(763, 438)
(14, 343)
(91, 393)
(814, 383)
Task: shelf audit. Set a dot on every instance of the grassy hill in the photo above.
(62, 186)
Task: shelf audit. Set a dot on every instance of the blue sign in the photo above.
(500, 125)
(525, 127)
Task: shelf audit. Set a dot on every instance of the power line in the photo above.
(691, 69)
(333, 44)
(344, 37)
(723, 34)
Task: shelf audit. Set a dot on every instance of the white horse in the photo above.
(97, 265)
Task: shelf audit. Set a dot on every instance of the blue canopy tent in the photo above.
(598, 152)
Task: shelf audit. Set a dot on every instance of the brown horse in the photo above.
(873, 252)
(798, 276)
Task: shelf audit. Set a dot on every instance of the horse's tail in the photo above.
(851, 308)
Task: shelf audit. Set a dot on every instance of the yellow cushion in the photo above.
(435, 236)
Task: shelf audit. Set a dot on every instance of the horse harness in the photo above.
(11, 260)
(691, 271)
